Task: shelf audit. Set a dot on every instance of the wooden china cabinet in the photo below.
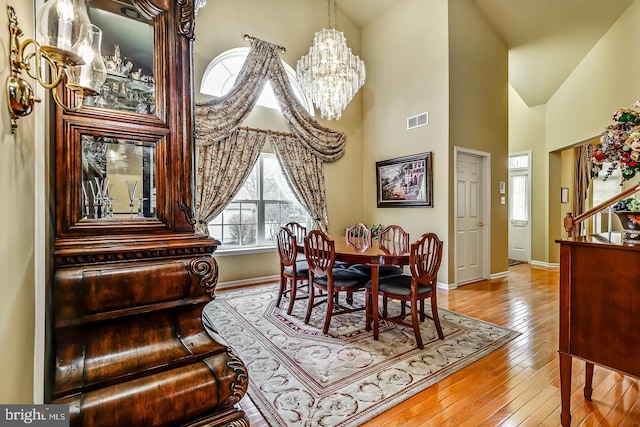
(131, 276)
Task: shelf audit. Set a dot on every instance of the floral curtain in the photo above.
(222, 169)
(305, 173)
(581, 179)
(302, 156)
(218, 117)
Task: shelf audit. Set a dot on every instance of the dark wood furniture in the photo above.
(375, 257)
(129, 285)
(319, 249)
(425, 256)
(293, 273)
(599, 302)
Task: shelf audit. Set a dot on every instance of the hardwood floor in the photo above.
(518, 384)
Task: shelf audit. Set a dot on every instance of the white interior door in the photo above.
(519, 207)
(469, 221)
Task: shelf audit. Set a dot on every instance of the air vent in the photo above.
(417, 121)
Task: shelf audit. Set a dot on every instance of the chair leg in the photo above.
(422, 313)
(327, 318)
(283, 284)
(368, 309)
(416, 324)
(385, 313)
(292, 294)
(312, 291)
(436, 319)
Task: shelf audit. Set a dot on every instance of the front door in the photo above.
(469, 221)
(519, 207)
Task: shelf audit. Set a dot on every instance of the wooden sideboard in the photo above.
(599, 309)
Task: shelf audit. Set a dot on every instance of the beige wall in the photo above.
(406, 51)
(582, 107)
(579, 111)
(526, 133)
(221, 25)
(478, 119)
(406, 54)
(17, 243)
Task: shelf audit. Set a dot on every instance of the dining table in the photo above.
(374, 256)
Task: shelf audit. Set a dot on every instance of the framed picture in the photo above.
(405, 181)
(564, 195)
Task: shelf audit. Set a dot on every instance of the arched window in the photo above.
(221, 73)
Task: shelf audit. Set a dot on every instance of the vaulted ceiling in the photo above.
(547, 39)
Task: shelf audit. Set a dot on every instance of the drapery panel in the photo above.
(581, 180)
(305, 173)
(217, 138)
(218, 117)
(222, 169)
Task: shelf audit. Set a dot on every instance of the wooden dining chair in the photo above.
(300, 231)
(394, 240)
(294, 274)
(425, 257)
(359, 236)
(320, 252)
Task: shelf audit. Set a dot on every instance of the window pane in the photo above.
(518, 198)
(521, 161)
(605, 189)
(275, 184)
(251, 221)
(249, 190)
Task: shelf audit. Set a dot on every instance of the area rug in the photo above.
(300, 377)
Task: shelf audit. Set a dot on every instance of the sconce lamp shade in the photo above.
(59, 23)
(89, 77)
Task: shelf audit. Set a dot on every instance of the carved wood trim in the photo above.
(187, 19)
(156, 253)
(207, 269)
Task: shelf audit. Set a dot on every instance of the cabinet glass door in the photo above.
(127, 50)
(118, 178)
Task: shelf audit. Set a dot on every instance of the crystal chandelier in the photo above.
(330, 73)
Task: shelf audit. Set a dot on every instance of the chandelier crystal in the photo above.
(330, 73)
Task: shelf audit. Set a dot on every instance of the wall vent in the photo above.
(417, 121)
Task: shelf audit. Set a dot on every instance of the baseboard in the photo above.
(247, 282)
(446, 286)
(543, 264)
(498, 275)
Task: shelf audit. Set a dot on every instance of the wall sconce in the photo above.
(71, 48)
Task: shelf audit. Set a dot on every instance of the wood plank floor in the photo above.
(518, 384)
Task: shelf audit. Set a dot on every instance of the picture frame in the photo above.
(405, 181)
(564, 195)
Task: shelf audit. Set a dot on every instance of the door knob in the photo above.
(480, 224)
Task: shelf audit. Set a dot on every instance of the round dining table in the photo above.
(374, 256)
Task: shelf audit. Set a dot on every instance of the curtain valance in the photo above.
(217, 118)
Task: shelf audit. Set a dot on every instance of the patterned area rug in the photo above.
(300, 377)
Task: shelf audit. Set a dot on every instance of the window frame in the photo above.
(222, 61)
(261, 244)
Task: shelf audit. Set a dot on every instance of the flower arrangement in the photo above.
(620, 143)
(629, 204)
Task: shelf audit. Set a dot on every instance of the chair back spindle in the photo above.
(394, 240)
(320, 252)
(425, 258)
(299, 230)
(359, 236)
